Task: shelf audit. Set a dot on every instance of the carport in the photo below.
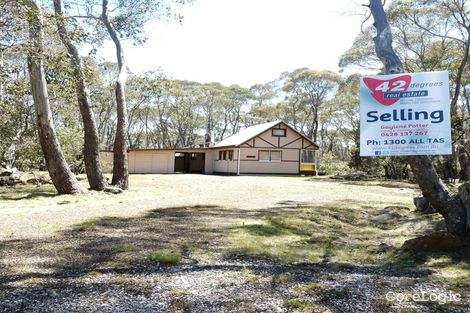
(189, 162)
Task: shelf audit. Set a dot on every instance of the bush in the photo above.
(330, 164)
(372, 166)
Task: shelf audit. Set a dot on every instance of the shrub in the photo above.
(330, 164)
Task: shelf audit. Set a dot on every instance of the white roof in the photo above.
(246, 134)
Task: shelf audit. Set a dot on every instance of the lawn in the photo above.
(197, 243)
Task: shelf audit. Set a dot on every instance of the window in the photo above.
(226, 155)
(275, 156)
(269, 156)
(264, 156)
(308, 156)
(277, 132)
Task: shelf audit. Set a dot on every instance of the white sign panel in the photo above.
(405, 114)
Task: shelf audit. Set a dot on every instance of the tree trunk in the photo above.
(452, 207)
(462, 157)
(464, 160)
(120, 162)
(61, 176)
(92, 146)
(208, 136)
(1, 72)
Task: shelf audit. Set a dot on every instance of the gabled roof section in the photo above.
(246, 134)
(253, 131)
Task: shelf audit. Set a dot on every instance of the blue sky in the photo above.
(247, 41)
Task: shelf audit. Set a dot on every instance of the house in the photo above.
(269, 148)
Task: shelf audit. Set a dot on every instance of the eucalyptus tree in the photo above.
(147, 104)
(429, 35)
(124, 20)
(222, 108)
(18, 139)
(61, 176)
(16, 110)
(8, 32)
(454, 208)
(101, 78)
(91, 149)
(234, 107)
(342, 117)
(160, 98)
(139, 112)
(120, 162)
(450, 21)
(211, 97)
(308, 90)
(447, 22)
(186, 114)
(262, 107)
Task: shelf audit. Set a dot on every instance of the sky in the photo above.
(245, 42)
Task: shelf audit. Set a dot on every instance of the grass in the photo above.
(455, 273)
(86, 225)
(165, 256)
(126, 247)
(342, 235)
(347, 236)
(303, 305)
(312, 288)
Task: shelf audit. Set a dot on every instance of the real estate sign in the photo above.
(405, 114)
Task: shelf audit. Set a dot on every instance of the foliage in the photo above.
(370, 166)
(330, 164)
(18, 136)
(396, 168)
(307, 92)
(165, 112)
(72, 146)
(128, 17)
(428, 36)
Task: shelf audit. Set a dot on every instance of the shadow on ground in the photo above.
(71, 264)
(370, 183)
(10, 193)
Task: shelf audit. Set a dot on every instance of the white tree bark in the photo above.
(91, 141)
(1, 70)
(61, 176)
(120, 162)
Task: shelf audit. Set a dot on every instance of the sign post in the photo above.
(405, 114)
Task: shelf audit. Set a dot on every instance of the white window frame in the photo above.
(270, 158)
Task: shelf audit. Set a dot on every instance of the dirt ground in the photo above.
(37, 212)
(197, 243)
